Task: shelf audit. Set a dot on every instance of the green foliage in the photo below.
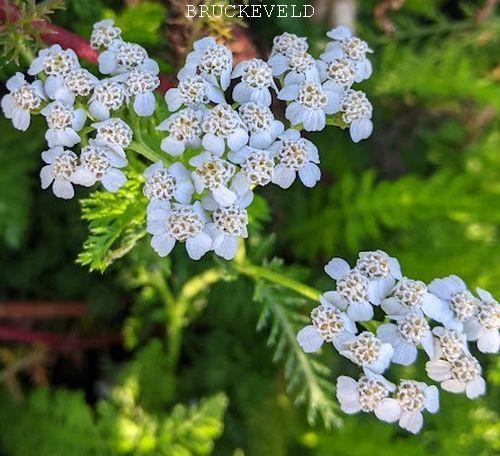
(17, 166)
(191, 430)
(308, 378)
(131, 421)
(116, 223)
(18, 35)
(140, 23)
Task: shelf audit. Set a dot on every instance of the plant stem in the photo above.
(146, 151)
(258, 272)
(178, 307)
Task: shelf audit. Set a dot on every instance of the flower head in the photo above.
(345, 45)
(54, 61)
(140, 85)
(409, 332)
(288, 44)
(410, 400)
(100, 163)
(295, 155)
(164, 184)
(211, 61)
(103, 34)
(114, 133)
(194, 92)
(228, 224)
(459, 375)
(184, 128)
(366, 394)
(412, 296)
(484, 326)
(298, 66)
(328, 325)
(310, 103)
(59, 171)
(109, 95)
(178, 223)
(356, 112)
(63, 122)
(369, 352)
(261, 124)
(223, 126)
(23, 99)
(256, 80)
(257, 169)
(122, 57)
(340, 73)
(449, 344)
(455, 296)
(213, 173)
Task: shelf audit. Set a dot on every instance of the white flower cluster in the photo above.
(222, 138)
(439, 318)
(242, 145)
(67, 95)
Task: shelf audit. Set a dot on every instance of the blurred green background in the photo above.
(425, 188)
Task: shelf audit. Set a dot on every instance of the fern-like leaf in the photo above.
(116, 224)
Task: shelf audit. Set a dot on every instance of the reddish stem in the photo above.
(58, 342)
(53, 34)
(41, 310)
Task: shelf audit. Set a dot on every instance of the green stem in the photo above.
(257, 272)
(178, 307)
(147, 152)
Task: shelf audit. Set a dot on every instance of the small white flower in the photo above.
(457, 376)
(310, 103)
(229, 223)
(184, 128)
(63, 122)
(103, 34)
(77, 82)
(179, 223)
(140, 85)
(288, 44)
(114, 133)
(352, 292)
(163, 184)
(60, 168)
(340, 73)
(122, 57)
(382, 271)
(411, 296)
(261, 124)
(351, 47)
(410, 399)
(365, 394)
(449, 344)
(100, 163)
(211, 61)
(256, 79)
(257, 168)
(453, 292)
(109, 95)
(369, 352)
(193, 92)
(484, 326)
(328, 325)
(295, 155)
(54, 61)
(213, 173)
(356, 112)
(299, 67)
(405, 336)
(22, 100)
(222, 125)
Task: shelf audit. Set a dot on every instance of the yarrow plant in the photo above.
(222, 138)
(439, 319)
